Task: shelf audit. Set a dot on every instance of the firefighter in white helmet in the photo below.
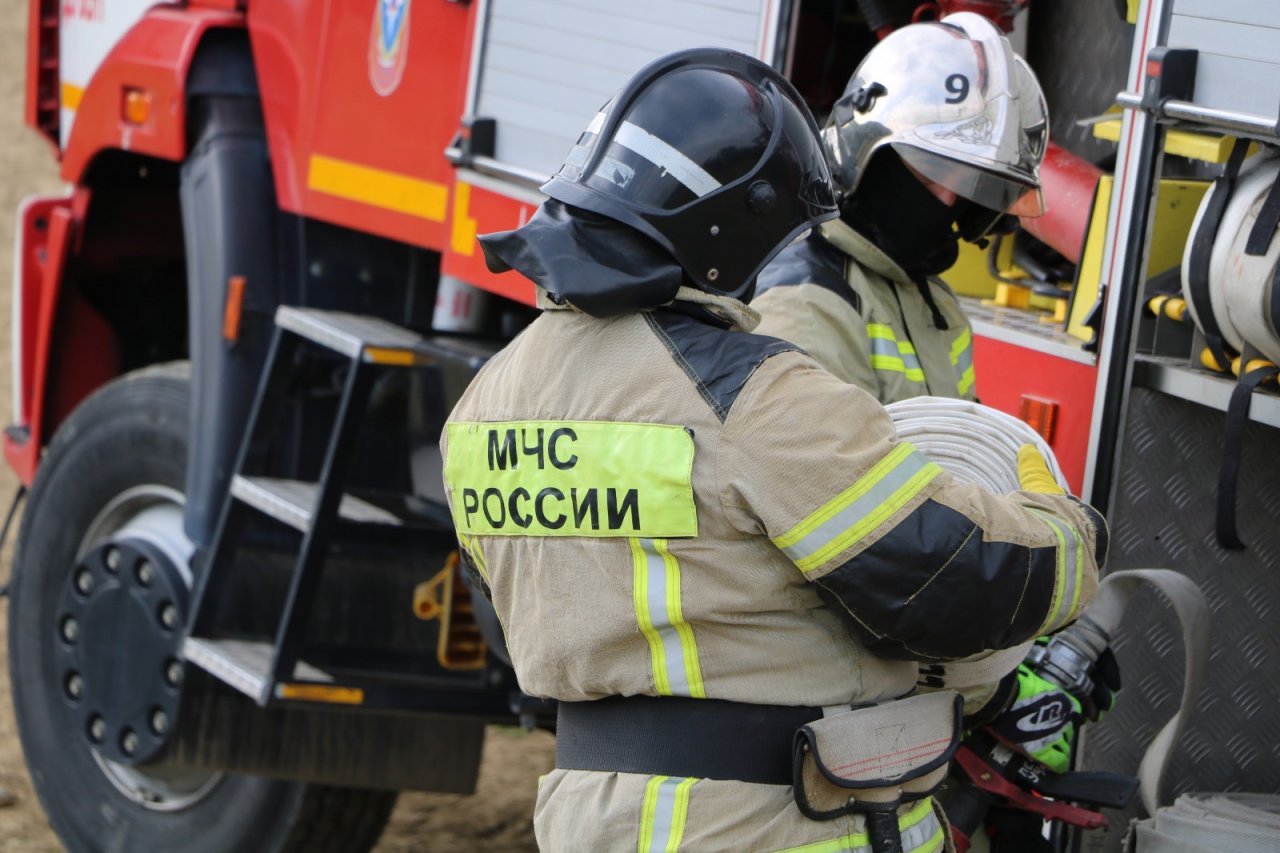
(939, 133)
(686, 544)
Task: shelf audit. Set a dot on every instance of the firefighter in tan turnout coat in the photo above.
(939, 133)
(686, 544)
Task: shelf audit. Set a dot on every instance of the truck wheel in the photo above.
(117, 466)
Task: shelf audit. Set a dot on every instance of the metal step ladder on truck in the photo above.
(237, 619)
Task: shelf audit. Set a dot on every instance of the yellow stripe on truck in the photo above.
(378, 188)
(71, 95)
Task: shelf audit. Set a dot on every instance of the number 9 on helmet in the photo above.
(956, 104)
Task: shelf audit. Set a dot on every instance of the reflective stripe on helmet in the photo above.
(672, 647)
(889, 353)
(848, 517)
(663, 815)
(665, 157)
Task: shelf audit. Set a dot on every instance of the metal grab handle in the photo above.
(1221, 119)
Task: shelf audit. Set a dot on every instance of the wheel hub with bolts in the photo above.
(119, 647)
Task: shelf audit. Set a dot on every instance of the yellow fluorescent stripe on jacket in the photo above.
(472, 546)
(673, 651)
(848, 517)
(962, 360)
(921, 833)
(1068, 575)
(663, 815)
(889, 353)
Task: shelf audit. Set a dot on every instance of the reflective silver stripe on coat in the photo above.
(962, 361)
(916, 837)
(885, 347)
(909, 360)
(912, 463)
(664, 812)
(1069, 561)
(665, 157)
(656, 593)
(897, 356)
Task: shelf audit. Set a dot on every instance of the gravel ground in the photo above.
(496, 817)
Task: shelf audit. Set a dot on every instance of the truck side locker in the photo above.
(1160, 417)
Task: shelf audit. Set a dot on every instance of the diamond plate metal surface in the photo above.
(1164, 517)
(1080, 52)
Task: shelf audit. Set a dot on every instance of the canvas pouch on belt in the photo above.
(874, 759)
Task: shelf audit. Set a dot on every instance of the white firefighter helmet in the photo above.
(956, 104)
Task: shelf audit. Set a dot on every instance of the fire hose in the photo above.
(976, 443)
(979, 444)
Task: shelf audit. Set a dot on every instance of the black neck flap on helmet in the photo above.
(712, 156)
(596, 264)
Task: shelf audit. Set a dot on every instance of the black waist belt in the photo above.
(675, 736)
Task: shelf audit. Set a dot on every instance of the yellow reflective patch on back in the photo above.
(571, 478)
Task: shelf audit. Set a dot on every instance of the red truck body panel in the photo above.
(360, 102)
(354, 142)
(1005, 373)
(52, 380)
(154, 56)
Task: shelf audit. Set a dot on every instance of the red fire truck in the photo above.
(237, 619)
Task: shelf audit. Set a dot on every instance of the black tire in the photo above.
(130, 434)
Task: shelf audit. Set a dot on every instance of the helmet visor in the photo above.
(992, 191)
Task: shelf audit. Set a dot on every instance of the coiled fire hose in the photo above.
(976, 443)
(980, 445)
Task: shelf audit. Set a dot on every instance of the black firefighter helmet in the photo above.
(712, 155)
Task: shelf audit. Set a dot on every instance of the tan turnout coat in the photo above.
(660, 505)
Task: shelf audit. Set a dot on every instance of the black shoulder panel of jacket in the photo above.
(718, 361)
(811, 261)
(932, 588)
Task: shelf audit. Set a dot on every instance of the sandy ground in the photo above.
(497, 817)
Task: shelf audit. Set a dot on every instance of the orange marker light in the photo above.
(234, 307)
(1041, 414)
(136, 108)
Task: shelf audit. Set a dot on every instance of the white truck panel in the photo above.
(89, 29)
(546, 66)
(1238, 67)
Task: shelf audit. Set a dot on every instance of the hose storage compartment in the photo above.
(1238, 285)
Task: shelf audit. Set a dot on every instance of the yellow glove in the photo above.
(1033, 472)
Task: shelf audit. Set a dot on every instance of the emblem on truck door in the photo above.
(388, 44)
